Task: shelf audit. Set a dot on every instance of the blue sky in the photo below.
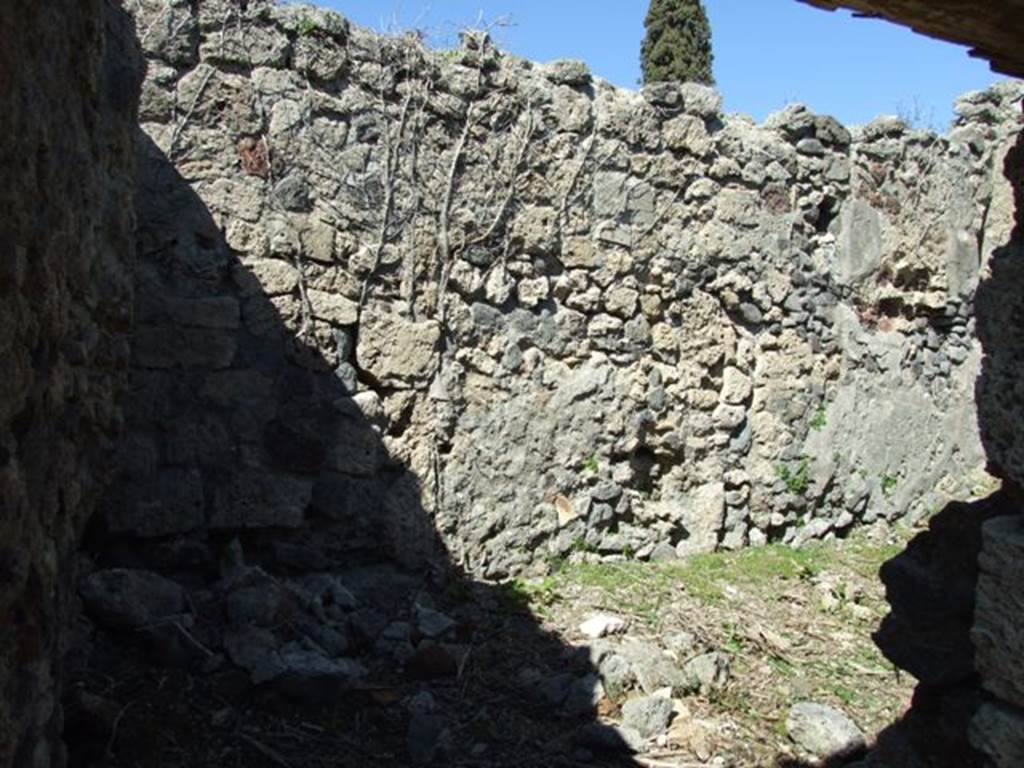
(767, 52)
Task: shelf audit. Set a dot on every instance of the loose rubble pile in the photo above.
(376, 663)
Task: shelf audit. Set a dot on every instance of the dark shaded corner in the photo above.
(265, 586)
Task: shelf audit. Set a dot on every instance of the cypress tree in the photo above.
(677, 45)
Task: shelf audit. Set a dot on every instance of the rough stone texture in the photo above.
(999, 404)
(649, 715)
(994, 35)
(616, 318)
(930, 588)
(823, 731)
(68, 89)
(999, 614)
(998, 638)
(998, 731)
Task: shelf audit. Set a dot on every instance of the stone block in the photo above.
(702, 514)
(333, 308)
(701, 99)
(342, 498)
(567, 72)
(257, 47)
(687, 133)
(737, 387)
(233, 388)
(581, 253)
(397, 351)
(859, 251)
(998, 632)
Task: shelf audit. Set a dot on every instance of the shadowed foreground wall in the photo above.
(68, 87)
(958, 628)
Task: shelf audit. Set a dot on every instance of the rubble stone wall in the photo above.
(998, 727)
(69, 80)
(563, 317)
(387, 294)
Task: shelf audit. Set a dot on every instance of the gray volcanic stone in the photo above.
(652, 668)
(298, 672)
(649, 716)
(432, 623)
(997, 634)
(261, 500)
(424, 738)
(582, 696)
(823, 731)
(665, 94)
(700, 99)
(616, 672)
(310, 676)
(169, 502)
(567, 72)
(709, 671)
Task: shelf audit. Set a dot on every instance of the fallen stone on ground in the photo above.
(602, 625)
(649, 715)
(823, 731)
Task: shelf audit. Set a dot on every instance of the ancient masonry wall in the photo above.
(69, 80)
(414, 301)
(386, 291)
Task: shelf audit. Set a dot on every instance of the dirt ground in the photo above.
(795, 624)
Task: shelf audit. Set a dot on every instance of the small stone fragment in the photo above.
(649, 716)
(708, 672)
(602, 625)
(823, 731)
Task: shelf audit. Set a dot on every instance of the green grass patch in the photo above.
(643, 588)
(889, 483)
(820, 419)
